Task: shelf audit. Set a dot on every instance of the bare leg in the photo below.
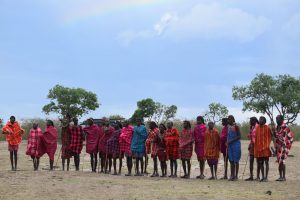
(251, 164)
(16, 159)
(175, 168)
(171, 167)
(142, 164)
(267, 169)
(68, 164)
(189, 168)
(12, 160)
(120, 165)
(184, 168)
(51, 165)
(63, 164)
(216, 169)
(129, 165)
(237, 166)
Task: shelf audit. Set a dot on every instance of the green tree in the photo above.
(271, 95)
(216, 112)
(75, 101)
(149, 110)
(170, 112)
(1, 123)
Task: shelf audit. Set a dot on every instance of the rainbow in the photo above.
(96, 8)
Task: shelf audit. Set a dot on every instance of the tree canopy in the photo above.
(149, 110)
(75, 101)
(271, 95)
(216, 112)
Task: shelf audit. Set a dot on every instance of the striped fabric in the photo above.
(212, 144)
(263, 138)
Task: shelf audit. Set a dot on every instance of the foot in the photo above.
(257, 179)
(153, 175)
(211, 178)
(202, 176)
(175, 176)
(249, 179)
(129, 174)
(171, 176)
(183, 176)
(279, 179)
(231, 179)
(115, 173)
(224, 178)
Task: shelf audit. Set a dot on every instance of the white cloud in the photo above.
(207, 21)
(292, 27)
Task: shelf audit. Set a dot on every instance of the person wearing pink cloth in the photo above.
(49, 142)
(34, 145)
(199, 133)
(92, 132)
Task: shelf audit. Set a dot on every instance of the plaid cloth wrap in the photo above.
(76, 142)
(172, 143)
(186, 144)
(65, 143)
(125, 140)
(105, 134)
(150, 146)
(113, 147)
(34, 140)
(283, 142)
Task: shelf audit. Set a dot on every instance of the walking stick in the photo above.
(58, 157)
(245, 166)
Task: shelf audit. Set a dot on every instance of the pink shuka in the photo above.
(92, 138)
(105, 135)
(223, 140)
(48, 142)
(34, 142)
(125, 140)
(199, 133)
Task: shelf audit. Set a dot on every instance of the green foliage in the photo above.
(75, 101)
(149, 110)
(266, 94)
(216, 112)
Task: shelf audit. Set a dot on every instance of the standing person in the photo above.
(33, 145)
(172, 147)
(253, 124)
(76, 142)
(234, 147)
(92, 132)
(223, 147)
(151, 147)
(113, 147)
(212, 149)
(65, 141)
(262, 141)
(186, 141)
(159, 140)
(199, 133)
(105, 134)
(284, 140)
(125, 145)
(13, 133)
(138, 145)
(49, 142)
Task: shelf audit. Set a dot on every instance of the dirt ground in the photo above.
(43, 184)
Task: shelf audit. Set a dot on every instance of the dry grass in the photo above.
(27, 184)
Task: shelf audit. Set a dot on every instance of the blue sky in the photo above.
(184, 52)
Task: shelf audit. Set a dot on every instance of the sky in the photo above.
(189, 53)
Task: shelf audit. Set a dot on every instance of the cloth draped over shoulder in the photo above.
(34, 142)
(125, 140)
(212, 144)
(138, 139)
(92, 138)
(284, 139)
(16, 131)
(159, 140)
(172, 143)
(234, 148)
(186, 141)
(150, 146)
(262, 141)
(76, 143)
(104, 136)
(113, 147)
(49, 142)
(199, 134)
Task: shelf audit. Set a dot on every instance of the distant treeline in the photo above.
(244, 127)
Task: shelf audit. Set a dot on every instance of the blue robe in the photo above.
(234, 148)
(138, 140)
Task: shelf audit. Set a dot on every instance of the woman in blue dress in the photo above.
(234, 147)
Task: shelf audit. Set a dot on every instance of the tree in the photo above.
(75, 101)
(271, 95)
(1, 123)
(216, 112)
(170, 112)
(150, 110)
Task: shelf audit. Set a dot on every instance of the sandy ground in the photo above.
(43, 184)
